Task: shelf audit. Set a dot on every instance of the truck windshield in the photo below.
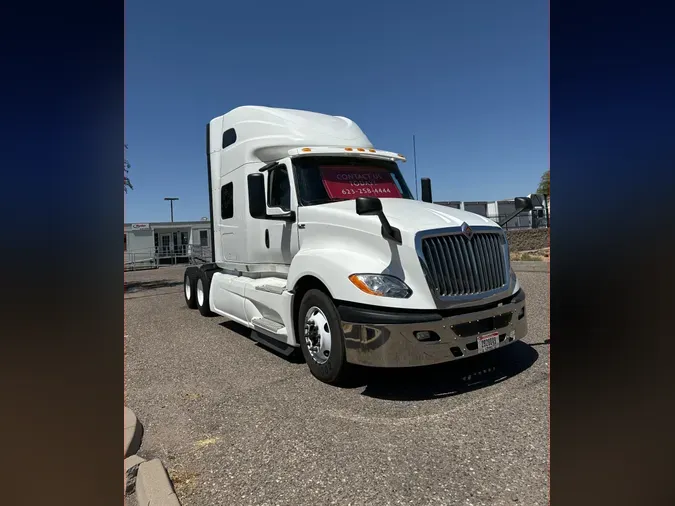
(331, 179)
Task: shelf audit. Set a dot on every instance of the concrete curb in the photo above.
(149, 479)
(131, 465)
(133, 433)
(521, 266)
(153, 486)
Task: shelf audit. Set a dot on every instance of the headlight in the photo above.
(516, 287)
(381, 285)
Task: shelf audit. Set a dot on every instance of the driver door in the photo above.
(280, 238)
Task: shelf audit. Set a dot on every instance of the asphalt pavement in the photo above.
(237, 424)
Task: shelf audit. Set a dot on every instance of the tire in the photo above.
(317, 308)
(202, 287)
(190, 288)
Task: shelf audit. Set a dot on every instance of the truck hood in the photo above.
(412, 215)
(336, 241)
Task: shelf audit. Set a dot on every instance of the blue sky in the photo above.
(468, 78)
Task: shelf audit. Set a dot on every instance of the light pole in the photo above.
(171, 199)
(415, 161)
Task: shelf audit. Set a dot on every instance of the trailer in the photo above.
(319, 246)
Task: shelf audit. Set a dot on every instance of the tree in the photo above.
(545, 183)
(127, 166)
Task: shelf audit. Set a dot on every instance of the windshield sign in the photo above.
(351, 182)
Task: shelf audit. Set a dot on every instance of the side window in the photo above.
(203, 238)
(229, 137)
(226, 201)
(279, 188)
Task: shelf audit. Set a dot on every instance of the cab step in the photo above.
(276, 289)
(271, 334)
(284, 349)
(269, 325)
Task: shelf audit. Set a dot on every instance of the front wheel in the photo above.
(321, 338)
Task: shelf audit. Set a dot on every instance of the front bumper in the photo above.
(378, 338)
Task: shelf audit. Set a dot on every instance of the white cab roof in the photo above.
(266, 134)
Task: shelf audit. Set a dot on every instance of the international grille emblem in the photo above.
(466, 230)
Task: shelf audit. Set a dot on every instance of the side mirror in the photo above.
(536, 199)
(426, 190)
(523, 203)
(368, 206)
(256, 196)
(372, 206)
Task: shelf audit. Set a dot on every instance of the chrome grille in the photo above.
(457, 265)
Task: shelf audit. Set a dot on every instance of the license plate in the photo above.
(488, 342)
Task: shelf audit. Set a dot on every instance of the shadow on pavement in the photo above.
(429, 382)
(295, 358)
(452, 378)
(137, 286)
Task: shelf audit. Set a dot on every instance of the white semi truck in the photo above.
(318, 244)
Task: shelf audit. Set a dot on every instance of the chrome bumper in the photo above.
(391, 342)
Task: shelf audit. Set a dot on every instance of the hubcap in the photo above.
(200, 292)
(188, 289)
(317, 335)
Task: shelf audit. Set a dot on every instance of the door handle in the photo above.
(301, 225)
(267, 238)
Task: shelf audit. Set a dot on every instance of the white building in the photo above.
(152, 244)
(499, 210)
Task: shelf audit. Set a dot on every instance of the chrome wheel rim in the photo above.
(317, 335)
(188, 289)
(200, 292)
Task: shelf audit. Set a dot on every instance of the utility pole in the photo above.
(171, 199)
(415, 162)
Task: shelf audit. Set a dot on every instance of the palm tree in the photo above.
(545, 183)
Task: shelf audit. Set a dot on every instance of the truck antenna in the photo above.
(415, 162)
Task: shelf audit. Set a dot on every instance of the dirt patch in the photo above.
(136, 286)
(184, 481)
(156, 282)
(537, 255)
(171, 273)
(126, 378)
(528, 239)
